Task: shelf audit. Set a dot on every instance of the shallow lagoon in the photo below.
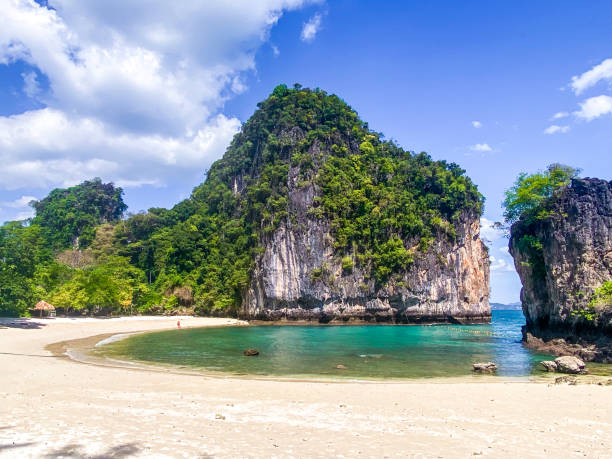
(367, 351)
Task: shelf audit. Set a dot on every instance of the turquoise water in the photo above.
(367, 351)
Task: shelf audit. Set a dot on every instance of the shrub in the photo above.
(347, 264)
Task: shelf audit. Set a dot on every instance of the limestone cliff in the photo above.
(573, 258)
(450, 283)
(301, 274)
(310, 215)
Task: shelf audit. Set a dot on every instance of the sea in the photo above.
(340, 351)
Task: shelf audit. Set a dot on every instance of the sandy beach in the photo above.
(52, 406)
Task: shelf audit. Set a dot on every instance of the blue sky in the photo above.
(149, 94)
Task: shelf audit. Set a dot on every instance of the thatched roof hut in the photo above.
(44, 306)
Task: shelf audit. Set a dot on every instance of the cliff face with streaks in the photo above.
(560, 278)
(450, 283)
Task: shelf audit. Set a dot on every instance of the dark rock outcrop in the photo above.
(559, 278)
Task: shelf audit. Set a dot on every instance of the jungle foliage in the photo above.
(528, 198)
(384, 205)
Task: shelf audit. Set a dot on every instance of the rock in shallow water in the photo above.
(251, 352)
(549, 365)
(485, 367)
(569, 364)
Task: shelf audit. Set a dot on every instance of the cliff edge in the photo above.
(562, 260)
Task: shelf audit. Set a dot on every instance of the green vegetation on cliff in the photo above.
(528, 197)
(600, 300)
(383, 205)
(528, 200)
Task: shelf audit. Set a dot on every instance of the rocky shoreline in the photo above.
(298, 316)
(597, 350)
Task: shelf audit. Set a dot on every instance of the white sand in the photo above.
(57, 407)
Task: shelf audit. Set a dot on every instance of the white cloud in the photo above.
(30, 84)
(489, 231)
(24, 215)
(477, 124)
(495, 238)
(559, 115)
(594, 107)
(275, 50)
(135, 88)
(19, 203)
(21, 206)
(590, 78)
(553, 129)
(483, 147)
(499, 264)
(310, 28)
(51, 148)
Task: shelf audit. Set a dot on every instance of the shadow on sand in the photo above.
(76, 451)
(14, 445)
(7, 322)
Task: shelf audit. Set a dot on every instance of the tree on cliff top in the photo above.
(530, 191)
(72, 214)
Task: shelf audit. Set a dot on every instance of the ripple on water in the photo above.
(359, 351)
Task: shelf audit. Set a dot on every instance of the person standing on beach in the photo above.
(178, 323)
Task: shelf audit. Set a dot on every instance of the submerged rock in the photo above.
(341, 367)
(485, 367)
(251, 352)
(569, 364)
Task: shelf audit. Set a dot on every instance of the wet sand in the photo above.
(56, 407)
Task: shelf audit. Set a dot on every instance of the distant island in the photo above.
(506, 307)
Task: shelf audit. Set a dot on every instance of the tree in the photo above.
(530, 192)
(72, 214)
(110, 286)
(22, 251)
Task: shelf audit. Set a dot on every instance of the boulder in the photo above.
(549, 365)
(571, 380)
(569, 364)
(485, 367)
(251, 352)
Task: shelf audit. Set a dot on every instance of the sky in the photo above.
(148, 94)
